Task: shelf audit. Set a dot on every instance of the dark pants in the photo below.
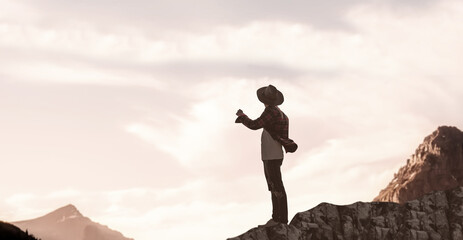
(275, 186)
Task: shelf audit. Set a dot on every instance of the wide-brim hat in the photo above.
(270, 95)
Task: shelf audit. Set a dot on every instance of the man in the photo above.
(274, 135)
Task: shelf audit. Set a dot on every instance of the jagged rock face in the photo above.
(438, 215)
(436, 165)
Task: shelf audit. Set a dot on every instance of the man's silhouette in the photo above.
(274, 135)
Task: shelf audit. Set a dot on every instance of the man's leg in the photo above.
(280, 206)
(275, 185)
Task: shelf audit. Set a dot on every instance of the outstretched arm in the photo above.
(260, 122)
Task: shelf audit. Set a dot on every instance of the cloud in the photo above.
(10, 8)
(203, 15)
(18, 199)
(68, 193)
(296, 48)
(198, 15)
(80, 55)
(416, 41)
(198, 135)
(85, 54)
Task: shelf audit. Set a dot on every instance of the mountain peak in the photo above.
(436, 165)
(64, 213)
(68, 207)
(68, 223)
(444, 136)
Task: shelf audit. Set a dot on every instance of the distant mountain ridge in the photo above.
(67, 223)
(436, 165)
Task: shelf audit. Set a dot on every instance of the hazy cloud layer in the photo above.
(203, 14)
(155, 16)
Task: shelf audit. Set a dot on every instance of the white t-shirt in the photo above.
(270, 149)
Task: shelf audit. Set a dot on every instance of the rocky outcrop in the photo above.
(438, 215)
(436, 165)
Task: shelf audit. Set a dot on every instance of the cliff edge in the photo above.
(437, 215)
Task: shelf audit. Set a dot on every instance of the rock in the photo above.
(456, 231)
(437, 215)
(424, 201)
(437, 165)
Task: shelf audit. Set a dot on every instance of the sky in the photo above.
(126, 109)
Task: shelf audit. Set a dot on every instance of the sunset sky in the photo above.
(126, 109)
